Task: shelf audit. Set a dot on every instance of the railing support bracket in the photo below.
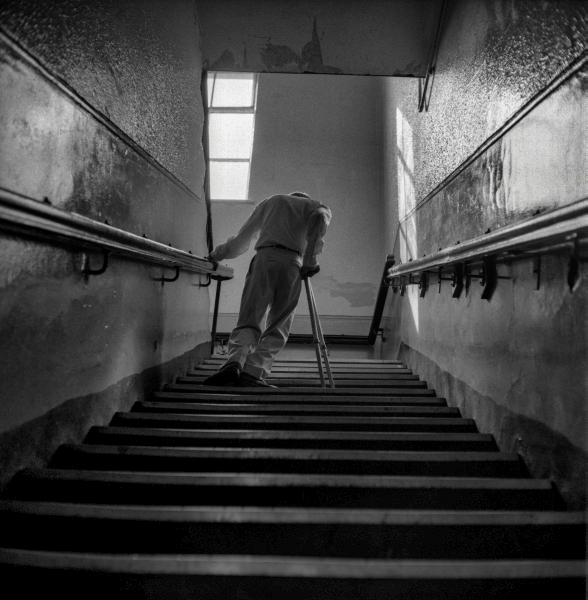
(86, 270)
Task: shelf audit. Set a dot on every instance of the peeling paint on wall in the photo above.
(357, 294)
(354, 38)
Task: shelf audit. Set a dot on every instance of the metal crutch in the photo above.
(317, 336)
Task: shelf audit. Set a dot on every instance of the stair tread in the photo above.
(309, 399)
(222, 419)
(316, 377)
(290, 454)
(305, 361)
(285, 480)
(295, 434)
(275, 566)
(390, 369)
(420, 390)
(245, 407)
(345, 384)
(251, 514)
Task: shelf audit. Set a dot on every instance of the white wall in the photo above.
(319, 134)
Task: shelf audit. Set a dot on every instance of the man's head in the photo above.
(299, 194)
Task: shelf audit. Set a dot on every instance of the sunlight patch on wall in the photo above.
(406, 192)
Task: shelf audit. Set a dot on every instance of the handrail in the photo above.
(558, 229)
(553, 227)
(25, 216)
(380, 302)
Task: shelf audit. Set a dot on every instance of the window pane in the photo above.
(228, 180)
(233, 89)
(230, 135)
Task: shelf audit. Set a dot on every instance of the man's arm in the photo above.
(317, 226)
(239, 244)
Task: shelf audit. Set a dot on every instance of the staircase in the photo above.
(375, 489)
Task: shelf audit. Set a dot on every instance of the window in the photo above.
(231, 120)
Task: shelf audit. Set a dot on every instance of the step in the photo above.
(246, 407)
(475, 442)
(236, 577)
(277, 377)
(307, 399)
(341, 533)
(367, 369)
(289, 422)
(404, 390)
(347, 383)
(281, 490)
(265, 460)
(215, 360)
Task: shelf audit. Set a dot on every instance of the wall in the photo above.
(375, 37)
(501, 140)
(318, 134)
(101, 115)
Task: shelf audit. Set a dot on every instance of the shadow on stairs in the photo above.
(375, 489)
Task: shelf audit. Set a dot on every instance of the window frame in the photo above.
(208, 97)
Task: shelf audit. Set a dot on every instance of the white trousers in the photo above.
(273, 281)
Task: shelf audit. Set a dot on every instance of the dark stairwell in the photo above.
(373, 489)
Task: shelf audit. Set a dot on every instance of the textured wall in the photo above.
(137, 61)
(468, 164)
(75, 348)
(319, 134)
(357, 37)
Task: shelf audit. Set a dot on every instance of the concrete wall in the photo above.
(504, 137)
(318, 134)
(101, 114)
(359, 37)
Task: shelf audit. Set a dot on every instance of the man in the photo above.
(291, 229)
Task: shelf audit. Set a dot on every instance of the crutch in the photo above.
(317, 336)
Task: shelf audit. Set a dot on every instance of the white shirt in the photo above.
(292, 221)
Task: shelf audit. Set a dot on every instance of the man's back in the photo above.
(285, 220)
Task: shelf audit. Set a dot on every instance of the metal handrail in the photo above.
(380, 302)
(542, 233)
(560, 229)
(32, 218)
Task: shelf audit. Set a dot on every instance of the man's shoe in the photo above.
(226, 375)
(247, 380)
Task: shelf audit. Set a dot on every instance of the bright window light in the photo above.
(231, 121)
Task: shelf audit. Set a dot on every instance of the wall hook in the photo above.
(86, 270)
(208, 281)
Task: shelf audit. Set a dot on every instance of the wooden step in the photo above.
(235, 577)
(264, 460)
(420, 389)
(307, 399)
(342, 533)
(246, 407)
(475, 442)
(289, 422)
(280, 490)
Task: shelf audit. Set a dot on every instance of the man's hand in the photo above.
(309, 271)
(214, 262)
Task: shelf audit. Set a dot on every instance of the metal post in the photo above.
(215, 315)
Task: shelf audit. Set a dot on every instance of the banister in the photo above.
(380, 302)
(25, 216)
(560, 229)
(540, 233)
